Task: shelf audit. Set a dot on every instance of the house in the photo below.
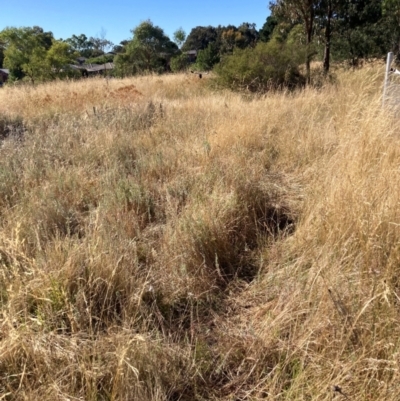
(192, 56)
(93, 69)
(4, 73)
(99, 68)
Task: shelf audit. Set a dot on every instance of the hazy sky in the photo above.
(118, 17)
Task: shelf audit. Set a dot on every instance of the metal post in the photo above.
(386, 83)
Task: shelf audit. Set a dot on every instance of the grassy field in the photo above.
(162, 241)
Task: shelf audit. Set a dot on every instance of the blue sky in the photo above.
(118, 17)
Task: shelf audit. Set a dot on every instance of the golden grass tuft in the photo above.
(163, 241)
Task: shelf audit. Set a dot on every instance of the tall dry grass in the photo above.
(162, 241)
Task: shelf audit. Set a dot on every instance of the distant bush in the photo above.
(179, 62)
(106, 58)
(207, 58)
(268, 66)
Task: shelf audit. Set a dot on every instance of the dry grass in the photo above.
(161, 241)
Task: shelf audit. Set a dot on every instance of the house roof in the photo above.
(5, 70)
(194, 52)
(99, 67)
(94, 67)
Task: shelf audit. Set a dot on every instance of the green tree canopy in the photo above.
(180, 62)
(248, 35)
(212, 43)
(302, 11)
(391, 14)
(149, 50)
(100, 46)
(208, 57)
(81, 44)
(90, 47)
(200, 37)
(58, 58)
(268, 66)
(34, 54)
(230, 37)
(179, 37)
(25, 51)
(267, 29)
(360, 30)
(349, 29)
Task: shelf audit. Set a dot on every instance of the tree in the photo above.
(229, 40)
(81, 44)
(303, 11)
(265, 32)
(44, 38)
(28, 54)
(200, 37)
(179, 37)
(348, 29)
(361, 31)
(248, 35)
(149, 50)
(179, 62)
(326, 17)
(100, 44)
(230, 37)
(355, 29)
(121, 47)
(208, 57)
(391, 14)
(58, 58)
(25, 51)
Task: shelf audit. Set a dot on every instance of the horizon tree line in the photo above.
(338, 30)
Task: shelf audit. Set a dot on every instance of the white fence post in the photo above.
(386, 83)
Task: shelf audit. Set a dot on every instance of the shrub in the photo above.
(103, 59)
(207, 58)
(269, 65)
(179, 63)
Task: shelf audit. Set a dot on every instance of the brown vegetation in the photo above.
(160, 241)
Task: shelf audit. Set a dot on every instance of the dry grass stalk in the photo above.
(161, 241)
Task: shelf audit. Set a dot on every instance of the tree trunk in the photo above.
(309, 25)
(327, 52)
(308, 56)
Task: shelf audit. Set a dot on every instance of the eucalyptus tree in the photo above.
(303, 11)
(33, 54)
(199, 38)
(149, 50)
(265, 33)
(361, 29)
(328, 15)
(25, 51)
(391, 14)
(179, 37)
(81, 44)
